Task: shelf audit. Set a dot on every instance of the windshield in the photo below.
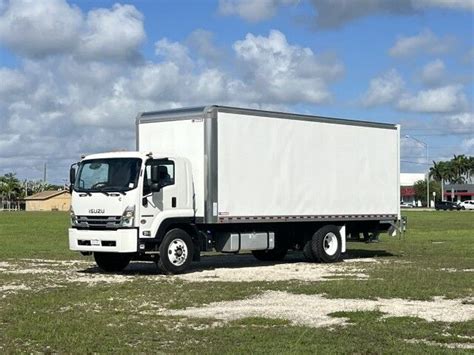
(116, 174)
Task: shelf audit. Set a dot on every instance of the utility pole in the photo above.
(44, 173)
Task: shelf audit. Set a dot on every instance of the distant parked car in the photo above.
(447, 205)
(406, 205)
(467, 205)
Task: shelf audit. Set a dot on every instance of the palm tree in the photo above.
(460, 168)
(10, 187)
(440, 172)
(470, 170)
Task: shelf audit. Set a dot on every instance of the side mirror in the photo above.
(155, 174)
(72, 174)
(155, 187)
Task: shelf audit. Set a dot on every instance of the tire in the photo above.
(112, 262)
(326, 244)
(308, 253)
(270, 255)
(176, 252)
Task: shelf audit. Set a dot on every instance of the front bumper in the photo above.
(118, 241)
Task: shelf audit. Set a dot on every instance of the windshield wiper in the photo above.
(113, 190)
(90, 192)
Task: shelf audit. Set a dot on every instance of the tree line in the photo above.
(458, 170)
(13, 189)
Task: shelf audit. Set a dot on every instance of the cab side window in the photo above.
(166, 174)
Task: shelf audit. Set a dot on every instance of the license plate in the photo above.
(95, 242)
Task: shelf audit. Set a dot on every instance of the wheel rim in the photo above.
(330, 243)
(177, 252)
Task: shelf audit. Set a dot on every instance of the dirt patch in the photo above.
(53, 272)
(8, 288)
(92, 279)
(60, 271)
(464, 346)
(450, 269)
(315, 310)
(280, 272)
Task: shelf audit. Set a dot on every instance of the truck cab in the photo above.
(120, 200)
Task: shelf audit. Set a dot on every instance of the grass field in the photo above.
(53, 300)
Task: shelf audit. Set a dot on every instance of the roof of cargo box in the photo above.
(201, 111)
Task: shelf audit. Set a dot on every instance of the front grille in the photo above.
(98, 222)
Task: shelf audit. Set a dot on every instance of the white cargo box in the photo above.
(260, 166)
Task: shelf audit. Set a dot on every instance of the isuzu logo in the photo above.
(97, 211)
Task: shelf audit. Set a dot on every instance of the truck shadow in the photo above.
(236, 261)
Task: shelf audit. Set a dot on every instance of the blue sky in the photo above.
(73, 74)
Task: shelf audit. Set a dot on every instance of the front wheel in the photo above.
(326, 244)
(112, 262)
(176, 252)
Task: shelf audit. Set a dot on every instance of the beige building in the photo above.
(49, 201)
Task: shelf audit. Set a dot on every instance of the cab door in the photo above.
(155, 202)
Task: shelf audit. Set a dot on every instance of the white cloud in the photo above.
(384, 89)
(446, 4)
(412, 150)
(433, 73)
(253, 10)
(40, 28)
(336, 13)
(445, 99)
(72, 106)
(13, 82)
(424, 42)
(468, 145)
(201, 41)
(174, 52)
(468, 58)
(116, 33)
(332, 14)
(284, 72)
(458, 123)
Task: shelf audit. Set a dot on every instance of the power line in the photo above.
(435, 129)
(444, 134)
(414, 162)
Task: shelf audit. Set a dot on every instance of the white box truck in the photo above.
(234, 179)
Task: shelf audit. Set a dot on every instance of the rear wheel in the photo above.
(112, 262)
(176, 252)
(326, 244)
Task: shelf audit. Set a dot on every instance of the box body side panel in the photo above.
(284, 167)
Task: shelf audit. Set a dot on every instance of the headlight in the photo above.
(128, 216)
(73, 217)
